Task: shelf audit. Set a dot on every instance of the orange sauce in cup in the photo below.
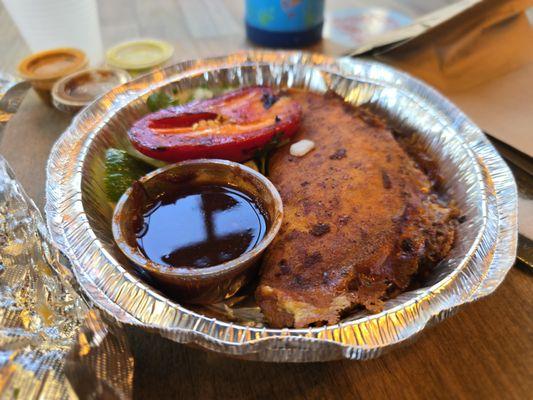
(43, 69)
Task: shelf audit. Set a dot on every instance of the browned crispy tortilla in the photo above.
(360, 219)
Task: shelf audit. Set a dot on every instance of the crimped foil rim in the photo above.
(501, 253)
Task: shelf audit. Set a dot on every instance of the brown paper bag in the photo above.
(482, 60)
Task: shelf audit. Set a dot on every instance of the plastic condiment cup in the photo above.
(43, 69)
(139, 55)
(79, 89)
(197, 285)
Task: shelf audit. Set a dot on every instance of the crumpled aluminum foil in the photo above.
(52, 345)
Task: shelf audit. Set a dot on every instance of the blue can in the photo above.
(284, 23)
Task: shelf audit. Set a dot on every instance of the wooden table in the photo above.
(485, 351)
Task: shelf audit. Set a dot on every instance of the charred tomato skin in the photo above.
(232, 127)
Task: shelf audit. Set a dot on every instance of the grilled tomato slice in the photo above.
(232, 127)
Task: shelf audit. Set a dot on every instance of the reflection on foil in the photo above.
(51, 344)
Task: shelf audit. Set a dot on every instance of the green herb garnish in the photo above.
(262, 156)
(121, 170)
(158, 101)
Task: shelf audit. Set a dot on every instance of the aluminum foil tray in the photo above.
(78, 213)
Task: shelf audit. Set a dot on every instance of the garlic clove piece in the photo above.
(301, 147)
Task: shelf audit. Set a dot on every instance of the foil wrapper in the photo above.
(52, 345)
(79, 216)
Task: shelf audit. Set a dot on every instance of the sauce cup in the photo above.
(73, 92)
(196, 285)
(43, 69)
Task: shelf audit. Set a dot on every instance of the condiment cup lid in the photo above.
(139, 54)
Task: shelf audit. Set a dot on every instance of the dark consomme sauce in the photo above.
(200, 226)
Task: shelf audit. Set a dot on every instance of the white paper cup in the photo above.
(46, 24)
